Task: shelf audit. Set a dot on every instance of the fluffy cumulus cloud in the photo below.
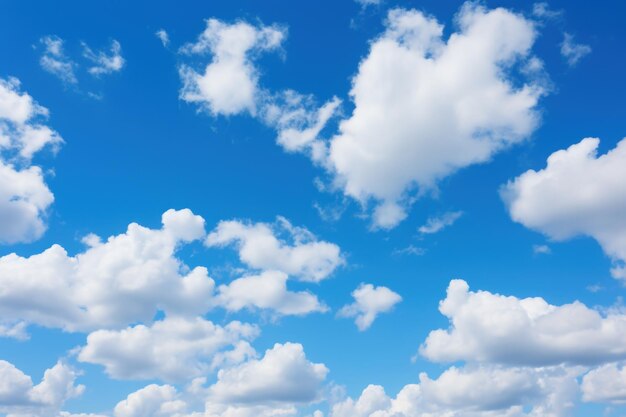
(20, 397)
(54, 60)
(230, 82)
(267, 291)
(151, 401)
(605, 384)
(104, 62)
(426, 106)
(470, 392)
(24, 195)
(125, 279)
(282, 247)
(578, 193)
(271, 386)
(174, 349)
(283, 375)
(369, 302)
(493, 328)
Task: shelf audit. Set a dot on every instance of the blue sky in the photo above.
(308, 185)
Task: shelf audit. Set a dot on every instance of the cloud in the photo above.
(436, 224)
(420, 114)
(229, 83)
(19, 396)
(173, 349)
(105, 63)
(163, 37)
(577, 193)
(126, 279)
(606, 384)
(283, 375)
(299, 122)
(542, 249)
(151, 401)
(573, 52)
(24, 195)
(55, 61)
(492, 328)
(542, 10)
(369, 302)
(470, 392)
(267, 291)
(261, 246)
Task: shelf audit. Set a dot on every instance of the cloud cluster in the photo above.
(24, 195)
(55, 61)
(19, 397)
(578, 193)
(270, 386)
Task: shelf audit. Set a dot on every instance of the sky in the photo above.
(354, 208)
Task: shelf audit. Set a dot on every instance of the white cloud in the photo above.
(229, 83)
(283, 375)
(426, 107)
(151, 401)
(606, 384)
(572, 51)
(126, 279)
(55, 61)
(493, 328)
(471, 392)
(299, 122)
(267, 291)
(19, 396)
(105, 63)
(369, 302)
(174, 349)
(577, 193)
(436, 224)
(24, 196)
(163, 37)
(542, 249)
(542, 10)
(366, 3)
(261, 246)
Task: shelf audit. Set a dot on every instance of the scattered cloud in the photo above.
(369, 302)
(437, 224)
(104, 63)
(542, 249)
(542, 10)
(573, 52)
(162, 35)
(55, 61)
(578, 193)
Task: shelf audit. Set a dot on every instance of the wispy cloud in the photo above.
(55, 61)
(436, 224)
(572, 51)
(105, 63)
